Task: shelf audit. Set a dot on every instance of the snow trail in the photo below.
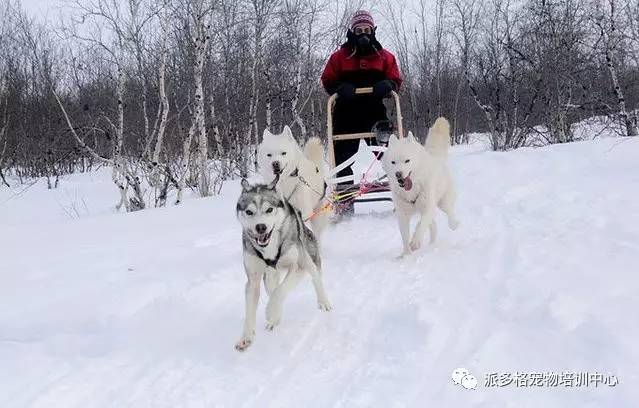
(143, 310)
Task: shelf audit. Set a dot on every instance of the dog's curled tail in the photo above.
(438, 140)
(314, 151)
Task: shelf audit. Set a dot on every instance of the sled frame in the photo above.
(332, 138)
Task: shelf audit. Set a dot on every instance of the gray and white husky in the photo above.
(275, 239)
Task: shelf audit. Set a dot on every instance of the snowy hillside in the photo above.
(142, 310)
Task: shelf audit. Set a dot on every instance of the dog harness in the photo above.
(296, 173)
(269, 262)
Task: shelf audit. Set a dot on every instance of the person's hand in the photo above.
(346, 90)
(383, 88)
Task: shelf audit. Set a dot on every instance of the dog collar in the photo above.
(411, 201)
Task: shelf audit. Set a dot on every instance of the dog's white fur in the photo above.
(432, 184)
(310, 166)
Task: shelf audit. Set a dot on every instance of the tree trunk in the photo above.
(631, 129)
(186, 154)
(251, 134)
(163, 115)
(295, 100)
(203, 148)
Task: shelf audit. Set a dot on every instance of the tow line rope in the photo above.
(345, 197)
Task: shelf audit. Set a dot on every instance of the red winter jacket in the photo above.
(361, 113)
(361, 71)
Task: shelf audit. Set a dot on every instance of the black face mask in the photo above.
(365, 44)
(363, 41)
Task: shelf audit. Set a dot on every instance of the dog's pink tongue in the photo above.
(408, 184)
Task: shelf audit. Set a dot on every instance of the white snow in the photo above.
(142, 310)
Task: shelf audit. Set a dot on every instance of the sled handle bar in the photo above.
(329, 122)
(364, 91)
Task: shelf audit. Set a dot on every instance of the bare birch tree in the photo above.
(466, 16)
(197, 20)
(607, 18)
(107, 26)
(260, 12)
(403, 41)
(4, 124)
(4, 96)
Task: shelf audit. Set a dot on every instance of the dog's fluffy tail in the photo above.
(438, 140)
(314, 151)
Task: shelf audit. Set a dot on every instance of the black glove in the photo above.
(346, 90)
(383, 88)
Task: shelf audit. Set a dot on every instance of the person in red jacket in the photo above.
(360, 62)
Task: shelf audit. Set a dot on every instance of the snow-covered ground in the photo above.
(142, 310)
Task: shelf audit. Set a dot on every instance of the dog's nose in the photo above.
(276, 165)
(260, 228)
(399, 175)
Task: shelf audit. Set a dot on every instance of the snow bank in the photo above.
(142, 310)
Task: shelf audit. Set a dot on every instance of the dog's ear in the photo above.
(411, 138)
(287, 131)
(245, 184)
(392, 139)
(266, 134)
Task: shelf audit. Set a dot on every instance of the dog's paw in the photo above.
(405, 253)
(244, 343)
(325, 306)
(272, 324)
(415, 244)
(453, 224)
(273, 313)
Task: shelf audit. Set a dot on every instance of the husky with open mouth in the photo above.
(275, 239)
(420, 182)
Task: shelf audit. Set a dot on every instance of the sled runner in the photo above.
(363, 188)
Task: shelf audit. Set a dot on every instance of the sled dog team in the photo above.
(279, 248)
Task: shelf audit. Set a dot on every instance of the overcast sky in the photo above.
(42, 8)
(52, 10)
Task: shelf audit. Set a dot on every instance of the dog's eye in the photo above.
(249, 212)
(283, 153)
(269, 210)
(269, 155)
(407, 160)
(393, 162)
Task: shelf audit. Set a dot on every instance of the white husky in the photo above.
(301, 174)
(420, 181)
